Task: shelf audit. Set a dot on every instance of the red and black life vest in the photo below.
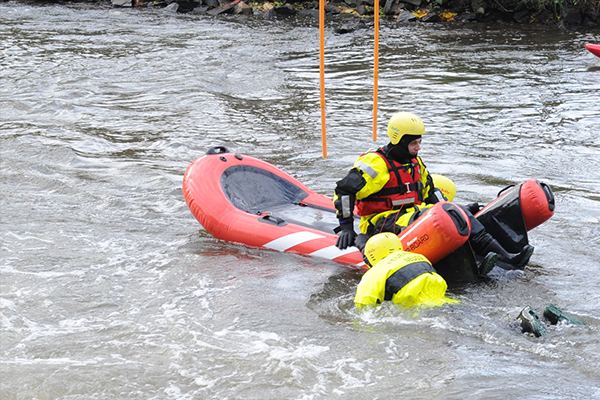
(403, 189)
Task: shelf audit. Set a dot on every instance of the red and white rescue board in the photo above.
(242, 199)
(593, 48)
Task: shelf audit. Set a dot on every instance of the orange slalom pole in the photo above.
(375, 68)
(322, 73)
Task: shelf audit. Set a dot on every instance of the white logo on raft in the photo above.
(416, 242)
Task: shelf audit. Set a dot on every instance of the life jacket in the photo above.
(399, 279)
(407, 279)
(403, 189)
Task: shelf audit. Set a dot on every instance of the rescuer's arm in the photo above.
(344, 200)
(431, 195)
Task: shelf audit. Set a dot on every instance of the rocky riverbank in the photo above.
(347, 15)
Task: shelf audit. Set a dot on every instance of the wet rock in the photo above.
(332, 8)
(469, 17)
(285, 10)
(187, 6)
(309, 14)
(347, 23)
(270, 14)
(122, 3)
(392, 7)
(431, 17)
(173, 7)
(202, 10)
(242, 8)
(387, 6)
(405, 17)
(353, 3)
(211, 3)
(224, 8)
(416, 3)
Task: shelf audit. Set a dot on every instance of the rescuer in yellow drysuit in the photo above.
(386, 187)
(390, 188)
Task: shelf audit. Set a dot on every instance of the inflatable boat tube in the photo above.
(444, 226)
(517, 210)
(593, 48)
(238, 198)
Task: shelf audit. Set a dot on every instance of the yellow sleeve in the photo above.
(375, 172)
(370, 291)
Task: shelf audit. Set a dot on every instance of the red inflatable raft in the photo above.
(593, 48)
(242, 199)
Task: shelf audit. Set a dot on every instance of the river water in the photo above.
(111, 289)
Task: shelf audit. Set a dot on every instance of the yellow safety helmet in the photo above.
(404, 123)
(380, 246)
(446, 186)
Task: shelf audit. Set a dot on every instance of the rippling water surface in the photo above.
(111, 289)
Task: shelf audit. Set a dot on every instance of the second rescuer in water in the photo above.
(407, 279)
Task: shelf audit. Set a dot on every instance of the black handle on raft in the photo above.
(549, 195)
(458, 218)
(505, 189)
(217, 150)
(273, 220)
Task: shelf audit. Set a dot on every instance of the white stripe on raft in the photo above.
(331, 252)
(288, 241)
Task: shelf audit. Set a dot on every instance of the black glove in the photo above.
(473, 208)
(346, 235)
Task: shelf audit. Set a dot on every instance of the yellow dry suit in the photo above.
(407, 279)
(384, 188)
